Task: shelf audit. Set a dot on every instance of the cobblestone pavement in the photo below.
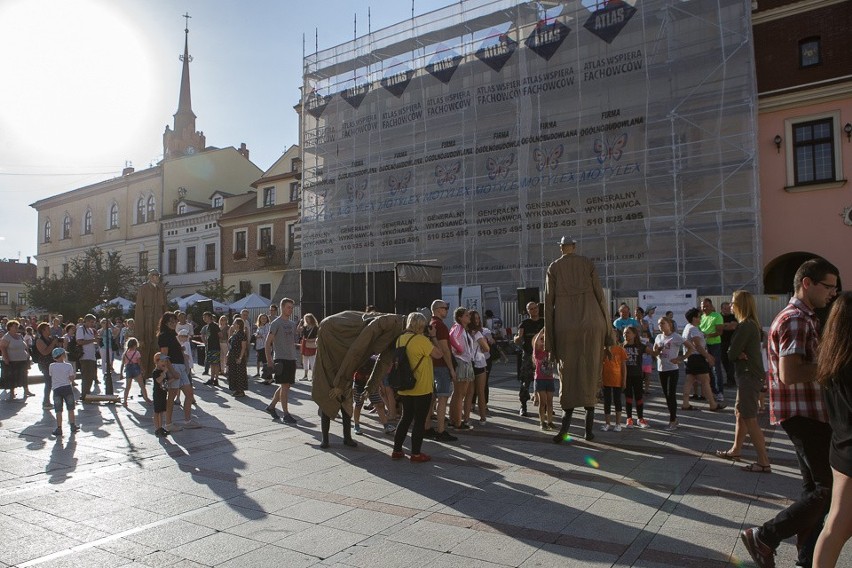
(247, 491)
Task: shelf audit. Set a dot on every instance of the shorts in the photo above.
(478, 371)
(358, 390)
(213, 357)
(132, 370)
(285, 371)
(63, 394)
(159, 398)
(443, 385)
(544, 385)
(697, 365)
(183, 378)
(464, 371)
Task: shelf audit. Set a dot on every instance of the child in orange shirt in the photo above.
(614, 380)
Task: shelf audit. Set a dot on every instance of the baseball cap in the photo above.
(567, 241)
(57, 352)
(439, 304)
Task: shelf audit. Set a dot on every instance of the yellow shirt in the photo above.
(419, 351)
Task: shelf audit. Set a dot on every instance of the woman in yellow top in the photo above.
(416, 402)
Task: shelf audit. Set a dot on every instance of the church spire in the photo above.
(183, 139)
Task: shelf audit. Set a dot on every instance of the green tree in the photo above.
(92, 277)
(215, 290)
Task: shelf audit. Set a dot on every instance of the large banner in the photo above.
(476, 136)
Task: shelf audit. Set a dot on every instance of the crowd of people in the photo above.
(809, 379)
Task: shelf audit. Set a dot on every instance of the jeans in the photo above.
(812, 440)
(414, 409)
(668, 380)
(717, 384)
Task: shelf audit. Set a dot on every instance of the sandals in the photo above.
(757, 468)
(727, 455)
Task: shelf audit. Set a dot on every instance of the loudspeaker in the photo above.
(525, 296)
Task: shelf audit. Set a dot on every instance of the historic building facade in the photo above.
(804, 83)
(13, 278)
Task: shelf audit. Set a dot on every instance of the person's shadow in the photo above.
(62, 462)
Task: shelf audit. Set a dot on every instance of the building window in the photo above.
(294, 165)
(87, 222)
(45, 272)
(294, 191)
(143, 262)
(113, 216)
(65, 270)
(268, 196)
(240, 244)
(22, 299)
(291, 240)
(46, 232)
(190, 259)
(66, 227)
(245, 288)
(149, 209)
(182, 209)
(809, 52)
(4, 298)
(140, 211)
(210, 256)
(264, 238)
(172, 269)
(265, 290)
(217, 201)
(813, 151)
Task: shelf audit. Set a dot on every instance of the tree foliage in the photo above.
(215, 290)
(92, 277)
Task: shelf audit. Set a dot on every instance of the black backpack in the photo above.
(401, 376)
(75, 351)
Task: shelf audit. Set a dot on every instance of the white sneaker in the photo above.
(672, 426)
(617, 428)
(606, 428)
(191, 423)
(174, 427)
(643, 423)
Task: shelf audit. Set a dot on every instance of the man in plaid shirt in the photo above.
(796, 403)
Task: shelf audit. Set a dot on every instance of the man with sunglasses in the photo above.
(796, 403)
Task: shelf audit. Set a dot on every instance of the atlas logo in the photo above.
(608, 17)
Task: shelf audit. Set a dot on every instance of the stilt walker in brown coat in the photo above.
(151, 304)
(576, 328)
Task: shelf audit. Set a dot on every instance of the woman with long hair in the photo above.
(480, 362)
(260, 333)
(308, 344)
(834, 372)
(224, 334)
(462, 346)
(44, 344)
(237, 357)
(746, 354)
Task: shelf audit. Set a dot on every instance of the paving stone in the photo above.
(215, 549)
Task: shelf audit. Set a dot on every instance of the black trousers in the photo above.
(668, 380)
(634, 393)
(812, 440)
(414, 409)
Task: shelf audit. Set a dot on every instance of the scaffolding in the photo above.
(481, 133)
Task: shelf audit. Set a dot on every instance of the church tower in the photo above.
(184, 140)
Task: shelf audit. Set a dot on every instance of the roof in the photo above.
(17, 272)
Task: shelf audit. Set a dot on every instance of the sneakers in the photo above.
(288, 419)
(445, 437)
(161, 432)
(420, 458)
(481, 421)
(209, 382)
(589, 436)
(191, 423)
(57, 433)
(523, 410)
(272, 412)
(672, 427)
(629, 423)
(763, 556)
(462, 426)
(606, 428)
(397, 455)
(357, 428)
(174, 427)
(544, 427)
(430, 434)
(617, 428)
(390, 428)
(552, 425)
(73, 427)
(643, 423)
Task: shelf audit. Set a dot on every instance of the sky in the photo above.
(89, 85)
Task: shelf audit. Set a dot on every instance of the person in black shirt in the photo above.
(213, 351)
(527, 330)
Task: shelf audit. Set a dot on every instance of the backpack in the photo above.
(75, 350)
(401, 376)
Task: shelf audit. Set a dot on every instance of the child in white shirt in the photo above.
(61, 374)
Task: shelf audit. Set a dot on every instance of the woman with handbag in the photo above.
(308, 343)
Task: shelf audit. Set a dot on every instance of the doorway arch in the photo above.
(779, 272)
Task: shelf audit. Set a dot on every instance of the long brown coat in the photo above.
(576, 324)
(150, 307)
(344, 342)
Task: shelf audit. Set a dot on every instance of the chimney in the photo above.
(244, 151)
(28, 260)
(128, 169)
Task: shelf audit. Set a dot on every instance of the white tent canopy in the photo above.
(184, 303)
(251, 302)
(125, 304)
